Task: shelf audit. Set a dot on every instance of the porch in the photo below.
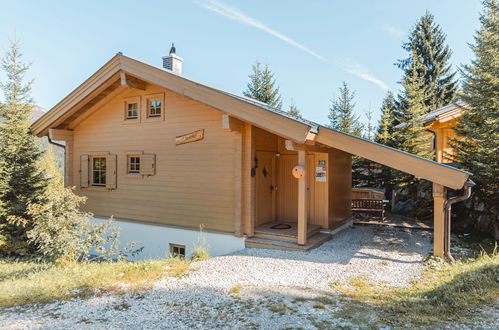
(284, 236)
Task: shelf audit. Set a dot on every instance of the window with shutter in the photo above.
(84, 171)
(147, 164)
(111, 171)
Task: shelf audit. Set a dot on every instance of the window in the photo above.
(154, 108)
(98, 171)
(177, 251)
(133, 164)
(132, 111)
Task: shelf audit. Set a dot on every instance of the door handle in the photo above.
(271, 188)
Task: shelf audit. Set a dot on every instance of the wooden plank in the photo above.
(438, 220)
(302, 200)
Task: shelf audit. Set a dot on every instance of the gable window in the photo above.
(132, 110)
(177, 251)
(98, 171)
(154, 107)
(133, 164)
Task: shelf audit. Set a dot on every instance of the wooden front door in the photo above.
(287, 194)
(265, 187)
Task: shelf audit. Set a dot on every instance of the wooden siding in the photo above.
(194, 182)
(340, 189)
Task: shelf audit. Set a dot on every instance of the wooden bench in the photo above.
(366, 200)
(369, 205)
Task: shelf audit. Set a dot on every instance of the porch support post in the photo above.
(302, 200)
(438, 220)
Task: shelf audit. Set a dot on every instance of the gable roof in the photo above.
(110, 77)
(443, 111)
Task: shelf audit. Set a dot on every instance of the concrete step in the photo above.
(266, 243)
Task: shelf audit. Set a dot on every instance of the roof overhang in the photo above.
(121, 71)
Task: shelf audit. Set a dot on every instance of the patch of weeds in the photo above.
(122, 307)
(25, 282)
(279, 307)
(384, 263)
(444, 293)
(319, 306)
(319, 324)
(236, 289)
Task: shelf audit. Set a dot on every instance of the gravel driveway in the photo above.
(253, 288)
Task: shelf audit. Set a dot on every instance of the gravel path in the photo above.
(253, 288)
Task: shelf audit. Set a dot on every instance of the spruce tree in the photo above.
(411, 135)
(364, 171)
(387, 122)
(385, 135)
(427, 43)
(262, 86)
(341, 113)
(293, 111)
(21, 181)
(476, 146)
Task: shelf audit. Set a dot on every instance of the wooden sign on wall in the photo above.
(190, 137)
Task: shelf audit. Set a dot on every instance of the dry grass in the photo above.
(24, 282)
(445, 293)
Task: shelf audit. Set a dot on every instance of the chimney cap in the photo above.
(172, 49)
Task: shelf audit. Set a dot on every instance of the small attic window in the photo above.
(154, 107)
(132, 111)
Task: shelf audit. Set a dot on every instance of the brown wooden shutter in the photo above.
(84, 171)
(147, 164)
(111, 171)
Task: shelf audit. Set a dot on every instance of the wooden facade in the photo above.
(213, 158)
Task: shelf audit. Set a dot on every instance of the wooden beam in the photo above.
(248, 181)
(231, 124)
(302, 200)
(60, 134)
(131, 82)
(293, 146)
(438, 220)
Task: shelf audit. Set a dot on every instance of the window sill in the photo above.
(131, 121)
(96, 188)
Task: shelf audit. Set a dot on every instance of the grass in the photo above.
(236, 289)
(25, 282)
(445, 293)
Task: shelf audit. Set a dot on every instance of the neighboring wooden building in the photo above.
(441, 123)
(164, 154)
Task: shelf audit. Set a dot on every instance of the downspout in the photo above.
(468, 185)
(63, 147)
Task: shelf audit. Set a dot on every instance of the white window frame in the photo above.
(92, 170)
(129, 164)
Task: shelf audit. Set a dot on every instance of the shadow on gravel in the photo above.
(376, 243)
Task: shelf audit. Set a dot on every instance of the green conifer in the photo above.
(427, 43)
(21, 181)
(262, 86)
(477, 145)
(341, 113)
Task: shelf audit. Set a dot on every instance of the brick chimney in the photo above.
(173, 62)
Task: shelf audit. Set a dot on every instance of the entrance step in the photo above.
(268, 243)
(290, 234)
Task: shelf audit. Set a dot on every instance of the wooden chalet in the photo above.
(163, 154)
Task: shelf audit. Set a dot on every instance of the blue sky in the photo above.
(312, 46)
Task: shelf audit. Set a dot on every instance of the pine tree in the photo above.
(411, 136)
(262, 86)
(385, 135)
(387, 122)
(427, 43)
(477, 147)
(341, 113)
(364, 171)
(293, 111)
(21, 181)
